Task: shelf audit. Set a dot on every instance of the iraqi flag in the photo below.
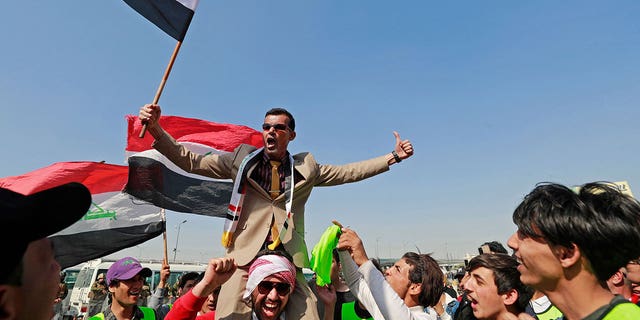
(114, 221)
(154, 178)
(171, 16)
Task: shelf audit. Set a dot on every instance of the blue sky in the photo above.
(495, 97)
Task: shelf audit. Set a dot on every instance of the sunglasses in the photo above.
(278, 126)
(635, 261)
(282, 288)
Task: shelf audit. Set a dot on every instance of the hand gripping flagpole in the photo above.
(162, 83)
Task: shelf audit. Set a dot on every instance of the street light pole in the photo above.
(175, 249)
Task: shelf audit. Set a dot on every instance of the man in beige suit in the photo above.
(263, 220)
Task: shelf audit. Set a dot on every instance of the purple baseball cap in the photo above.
(125, 269)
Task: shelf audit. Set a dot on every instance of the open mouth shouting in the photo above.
(270, 309)
(271, 143)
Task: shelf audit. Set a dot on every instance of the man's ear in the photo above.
(618, 277)
(510, 297)
(415, 289)
(292, 135)
(568, 256)
(112, 289)
(9, 306)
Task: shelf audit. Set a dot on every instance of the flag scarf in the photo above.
(114, 221)
(237, 197)
(171, 16)
(154, 178)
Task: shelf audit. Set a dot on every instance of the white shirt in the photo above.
(374, 292)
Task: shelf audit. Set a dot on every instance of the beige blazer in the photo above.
(258, 207)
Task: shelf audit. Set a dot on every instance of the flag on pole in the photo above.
(114, 221)
(154, 178)
(171, 16)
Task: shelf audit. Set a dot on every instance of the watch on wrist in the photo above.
(396, 157)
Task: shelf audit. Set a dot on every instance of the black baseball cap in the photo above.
(36, 216)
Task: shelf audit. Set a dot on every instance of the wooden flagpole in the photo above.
(164, 236)
(157, 97)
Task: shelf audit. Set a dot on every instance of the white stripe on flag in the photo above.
(191, 4)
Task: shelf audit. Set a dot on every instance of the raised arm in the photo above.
(218, 271)
(157, 298)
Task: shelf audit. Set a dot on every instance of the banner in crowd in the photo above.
(622, 186)
(115, 220)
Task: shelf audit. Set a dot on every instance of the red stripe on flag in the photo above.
(96, 176)
(220, 136)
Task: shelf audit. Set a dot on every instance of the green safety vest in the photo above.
(623, 311)
(349, 311)
(550, 314)
(148, 314)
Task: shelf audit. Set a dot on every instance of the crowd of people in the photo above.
(575, 254)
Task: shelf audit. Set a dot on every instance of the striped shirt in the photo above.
(262, 174)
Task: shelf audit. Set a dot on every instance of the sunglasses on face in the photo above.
(282, 288)
(635, 261)
(277, 126)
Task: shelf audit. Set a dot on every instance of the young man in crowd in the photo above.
(633, 275)
(186, 282)
(463, 310)
(29, 273)
(125, 279)
(405, 290)
(270, 283)
(569, 243)
(494, 288)
(97, 295)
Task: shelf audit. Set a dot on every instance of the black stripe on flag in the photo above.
(72, 249)
(151, 181)
(169, 15)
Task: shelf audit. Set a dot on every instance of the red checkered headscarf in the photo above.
(269, 265)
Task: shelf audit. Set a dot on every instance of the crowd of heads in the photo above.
(561, 233)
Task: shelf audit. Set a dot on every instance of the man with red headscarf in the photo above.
(272, 279)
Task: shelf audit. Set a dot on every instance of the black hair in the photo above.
(279, 111)
(426, 272)
(599, 219)
(186, 277)
(505, 275)
(494, 247)
(335, 255)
